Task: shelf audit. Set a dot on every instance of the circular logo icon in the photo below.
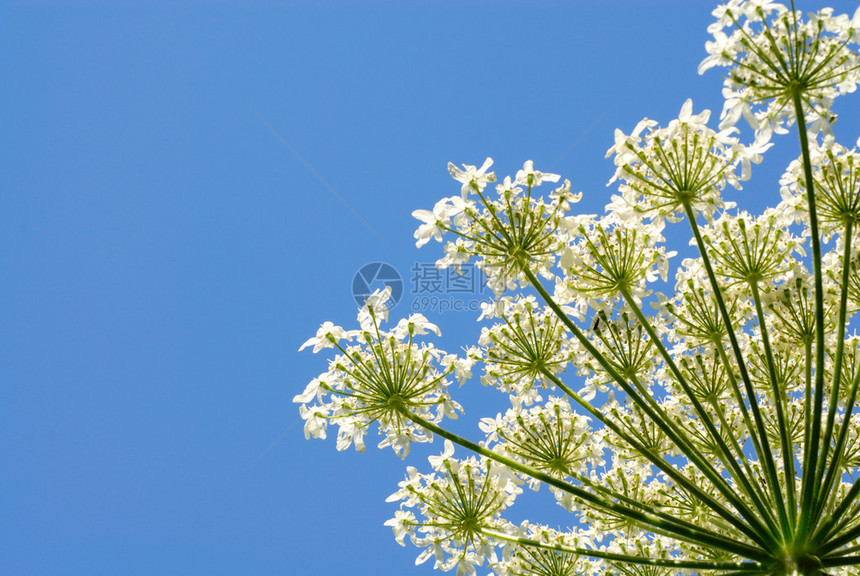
(376, 276)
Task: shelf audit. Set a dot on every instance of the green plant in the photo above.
(713, 430)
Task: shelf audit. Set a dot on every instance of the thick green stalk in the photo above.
(656, 459)
(736, 390)
(838, 519)
(725, 457)
(779, 401)
(718, 409)
(843, 561)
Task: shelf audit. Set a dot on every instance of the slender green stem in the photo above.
(725, 453)
(626, 558)
(838, 519)
(846, 551)
(840, 561)
(755, 530)
(766, 455)
(823, 491)
(736, 390)
(650, 520)
(779, 401)
(718, 409)
(833, 544)
(655, 459)
(807, 397)
(811, 456)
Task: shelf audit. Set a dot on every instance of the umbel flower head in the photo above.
(775, 56)
(836, 177)
(377, 379)
(457, 504)
(665, 170)
(507, 233)
(519, 351)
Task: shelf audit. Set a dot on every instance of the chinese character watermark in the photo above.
(433, 290)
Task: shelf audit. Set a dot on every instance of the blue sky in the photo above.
(187, 193)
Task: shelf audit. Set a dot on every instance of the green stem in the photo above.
(839, 518)
(755, 530)
(823, 493)
(626, 558)
(718, 409)
(766, 455)
(655, 459)
(647, 519)
(829, 495)
(736, 390)
(807, 396)
(725, 456)
(811, 455)
(843, 561)
(841, 540)
(779, 401)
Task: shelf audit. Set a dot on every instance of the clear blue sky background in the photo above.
(173, 197)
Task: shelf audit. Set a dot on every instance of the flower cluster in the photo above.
(663, 171)
(524, 351)
(607, 258)
(458, 506)
(550, 437)
(836, 176)
(382, 378)
(508, 233)
(776, 58)
(709, 431)
(750, 250)
(538, 550)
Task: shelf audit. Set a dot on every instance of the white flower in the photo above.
(664, 169)
(528, 176)
(473, 179)
(327, 336)
(772, 52)
(315, 422)
(438, 462)
(311, 391)
(435, 222)
(675, 428)
(380, 379)
(375, 306)
(415, 325)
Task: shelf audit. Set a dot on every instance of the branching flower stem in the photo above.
(754, 529)
(652, 520)
(824, 488)
(716, 446)
(725, 453)
(766, 454)
(663, 562)
(779, 401)
(655, 459)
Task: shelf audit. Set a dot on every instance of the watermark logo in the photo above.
(447, 290)
(376, 276)
(433, 290)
